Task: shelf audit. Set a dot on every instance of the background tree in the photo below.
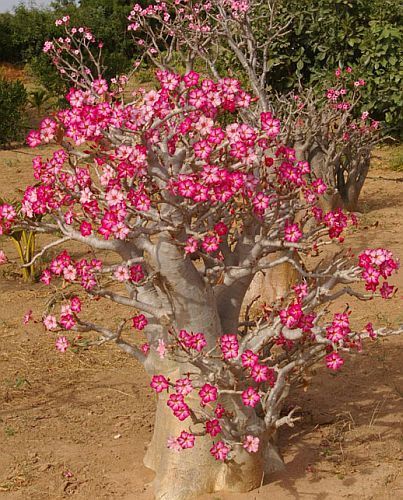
(13, 101)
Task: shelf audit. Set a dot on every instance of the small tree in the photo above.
(320, 125)
(13, 99)
(183, 202)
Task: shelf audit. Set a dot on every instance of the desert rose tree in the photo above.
(182, 203)
(323, 126)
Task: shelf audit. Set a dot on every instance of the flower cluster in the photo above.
(376, 264)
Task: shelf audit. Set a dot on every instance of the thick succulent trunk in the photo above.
(350, 186)
(345, 175)
(184, 475)
(271, 285)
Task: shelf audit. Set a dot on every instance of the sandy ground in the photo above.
(77, 424)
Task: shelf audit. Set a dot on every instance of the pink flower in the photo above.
(27, 317)
(175, 401)
(270, 125)
(46, 277)
(145, 348)
(3, 258)
(250, 397)
(183, 386)
(386, 290)
(136, 273)
(260, 202)
(85, 228)
(213, 427)
(182, 412)
(219, 411)
(301, 291)
(371, 332)
(334, 361)
(186, 440)
(291, 316)
(67, 321)
(210, 244)
(191, 245)
(33, 139)
(69, 273)
(251, 444)
(122, 273)
(336, 221)
(249, 359)
(139, 322)
(202, 149)
(191, 79)
(50, 322)
(161, 349)
(208, 393)
(172, 444)
(319, 186)
(339, 329)
(62, 344)
(292, 233)
(159, 383)
(178, 406)
(195, 341)
(220, 450)
(75, 305)
(221, 229)
(259, 373)
(229, 346)
(100, 86)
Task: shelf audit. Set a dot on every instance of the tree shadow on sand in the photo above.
(365, 397)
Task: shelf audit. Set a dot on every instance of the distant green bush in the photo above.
(13, 99)
(23, 33)
(324, 34)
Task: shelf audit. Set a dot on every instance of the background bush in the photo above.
(364, 34)
(13, 99)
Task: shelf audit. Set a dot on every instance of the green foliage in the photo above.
(23, 33)
(395, 157)
(38, 99)
(381, 66)
(13, 99)
(46, 74)
(24, 242)
(324, 34)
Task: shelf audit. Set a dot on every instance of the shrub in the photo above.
(13, 99)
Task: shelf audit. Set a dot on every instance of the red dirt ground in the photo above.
(76, 425)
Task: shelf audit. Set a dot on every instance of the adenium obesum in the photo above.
(324, 125)
(181, 198)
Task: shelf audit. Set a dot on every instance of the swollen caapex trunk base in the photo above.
(186, 474)
(270, 285)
